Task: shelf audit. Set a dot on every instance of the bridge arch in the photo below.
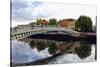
(59, 30)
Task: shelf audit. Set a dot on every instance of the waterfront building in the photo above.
(67, 23)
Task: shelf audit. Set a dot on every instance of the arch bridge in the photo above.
(19, 34)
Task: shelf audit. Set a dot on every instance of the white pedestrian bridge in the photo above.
(22, 33)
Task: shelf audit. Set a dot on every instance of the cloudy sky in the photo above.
(25, 11)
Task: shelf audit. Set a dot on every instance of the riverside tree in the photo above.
(38, 21)
(83, 24)
(53, 21)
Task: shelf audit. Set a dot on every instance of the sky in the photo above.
(26, 11)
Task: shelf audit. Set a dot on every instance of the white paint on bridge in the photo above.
(22, 33)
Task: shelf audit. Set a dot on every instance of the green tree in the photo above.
(38, 21)
(53, 21)
(32, 23)
(83, 24)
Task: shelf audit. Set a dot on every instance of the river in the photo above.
(31, 49)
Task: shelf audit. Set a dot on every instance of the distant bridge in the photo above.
(22, 33)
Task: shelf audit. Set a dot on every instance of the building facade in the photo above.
(44, 22)
(67, 23)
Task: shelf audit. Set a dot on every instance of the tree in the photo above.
(83, 24)
(53, 21)
(38, 21)
(32, 23)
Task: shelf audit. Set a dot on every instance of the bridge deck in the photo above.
(18, 34)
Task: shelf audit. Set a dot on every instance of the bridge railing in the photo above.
(38, 29)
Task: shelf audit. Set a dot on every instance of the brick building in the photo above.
(44, 22)
(67, 23)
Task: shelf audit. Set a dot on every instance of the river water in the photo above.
(30, 50)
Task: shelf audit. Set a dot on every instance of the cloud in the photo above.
(24, 11)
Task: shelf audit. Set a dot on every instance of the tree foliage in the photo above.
(32, 23)
(53, 21)
(83, 24)
(38, 21)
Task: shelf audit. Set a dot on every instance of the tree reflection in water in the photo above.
(57, 51)
(53, 48)
(32, 44)
(84, 50)
(40, 45)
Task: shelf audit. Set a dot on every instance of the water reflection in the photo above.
(34, 49)
(39, 45)
(22, 53)
(84, 50)
(52, 48)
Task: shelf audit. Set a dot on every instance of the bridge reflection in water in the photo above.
(30, 51)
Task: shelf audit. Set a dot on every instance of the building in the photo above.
(41, 22)
(44, 22)
(67, 23)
